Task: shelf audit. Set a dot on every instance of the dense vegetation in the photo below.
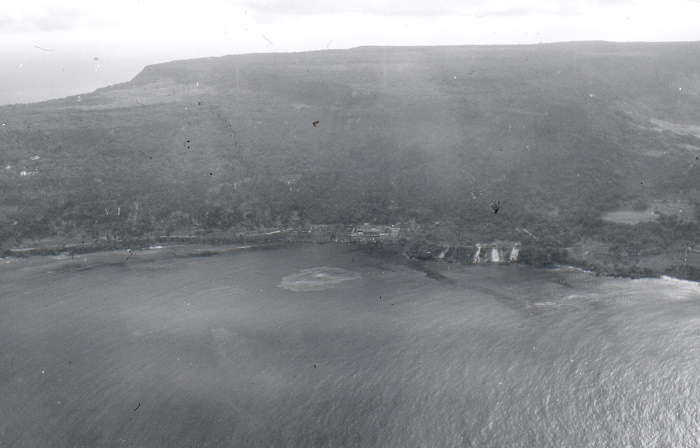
(559, 134)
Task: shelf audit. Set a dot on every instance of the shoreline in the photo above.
(143, 244)
(51, 262)
(679, 272)
(195, 246)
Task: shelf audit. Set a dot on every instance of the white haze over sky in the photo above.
(54, 48)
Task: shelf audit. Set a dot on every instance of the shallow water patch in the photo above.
(318, 279)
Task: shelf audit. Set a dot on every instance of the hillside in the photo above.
(559, 133)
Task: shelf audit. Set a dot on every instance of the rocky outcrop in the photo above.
(480, 253)
(496, 252)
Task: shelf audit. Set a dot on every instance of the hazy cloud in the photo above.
(425, 8)
(51, 16)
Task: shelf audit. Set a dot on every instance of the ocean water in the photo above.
(322, 346)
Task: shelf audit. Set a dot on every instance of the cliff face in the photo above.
(481, 253)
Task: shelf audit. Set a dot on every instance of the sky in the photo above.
(55, 48)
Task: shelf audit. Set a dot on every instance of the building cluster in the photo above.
(370, 233)
(365, 233)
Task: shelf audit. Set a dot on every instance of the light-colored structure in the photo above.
(496, 252)
(371, 233)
